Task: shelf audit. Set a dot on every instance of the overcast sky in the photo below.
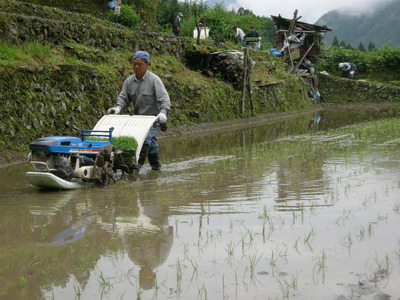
(310, 10)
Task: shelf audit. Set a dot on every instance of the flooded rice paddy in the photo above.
(302, 208)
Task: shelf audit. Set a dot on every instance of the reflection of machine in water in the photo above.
(138, 225)
(63, 222)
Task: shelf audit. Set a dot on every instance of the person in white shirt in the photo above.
(240, 34)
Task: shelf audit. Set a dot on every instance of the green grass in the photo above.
(11, 53)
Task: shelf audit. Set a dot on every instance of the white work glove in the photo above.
(162, 118)
(114, 110)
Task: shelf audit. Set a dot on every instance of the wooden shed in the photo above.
(298, 40)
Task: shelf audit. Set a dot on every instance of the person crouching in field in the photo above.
(348, 68)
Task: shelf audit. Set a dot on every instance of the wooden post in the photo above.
(304, 56)
(197, 27)
(289, 53)
(244, 88)
(290, 31)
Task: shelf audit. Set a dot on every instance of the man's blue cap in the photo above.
(143, 55)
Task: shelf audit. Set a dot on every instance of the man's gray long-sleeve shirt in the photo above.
(148, 95)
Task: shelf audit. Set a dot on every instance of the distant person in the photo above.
(240, 35)
(253, 34)
(348, 68)
(176, 26)
(117, 10)
(202, 22)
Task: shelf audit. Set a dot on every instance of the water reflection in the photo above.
(143, 230)
(124, 238)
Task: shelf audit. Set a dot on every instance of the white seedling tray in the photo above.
(125, 125)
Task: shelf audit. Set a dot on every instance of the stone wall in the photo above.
(23, 22)
(343, 90)
(46, 98)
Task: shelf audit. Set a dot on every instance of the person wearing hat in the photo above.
(176, 26)
(147, 93)
(348, 68)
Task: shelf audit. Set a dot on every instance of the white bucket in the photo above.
(204, 32)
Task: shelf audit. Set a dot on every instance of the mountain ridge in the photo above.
(379, 27)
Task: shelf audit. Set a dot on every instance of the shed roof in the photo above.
(283, 23)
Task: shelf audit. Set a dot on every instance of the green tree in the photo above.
(128, 17)
(166, 12)
(335, 42)
(371, 46)
(342, 44)
(349, 46)
(361, 47)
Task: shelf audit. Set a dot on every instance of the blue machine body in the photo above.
(73, 145)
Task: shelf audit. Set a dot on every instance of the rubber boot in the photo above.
(142, 159)
(153, 160)
(116, 19)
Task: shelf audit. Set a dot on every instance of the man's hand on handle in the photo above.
(114, 110)
(162, 118)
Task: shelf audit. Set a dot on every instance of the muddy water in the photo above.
(303, 208)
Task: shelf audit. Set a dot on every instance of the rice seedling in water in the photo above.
(253, 260)
(230, 225)
(382, 266)
(296, 246)
(202, 292)
(284, 287)
(273, 259)
(105, 285)
(308, 238)
(77, 290)
(361, 235)
(230, 249)
(347, 241)
(195, 267)
(342, 220)
(223, 286)
(320, 266)
(179, 274)
(23, 281)
(370, 229)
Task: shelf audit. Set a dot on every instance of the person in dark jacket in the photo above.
(253, 34)
(176, 26)
(147, 93)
